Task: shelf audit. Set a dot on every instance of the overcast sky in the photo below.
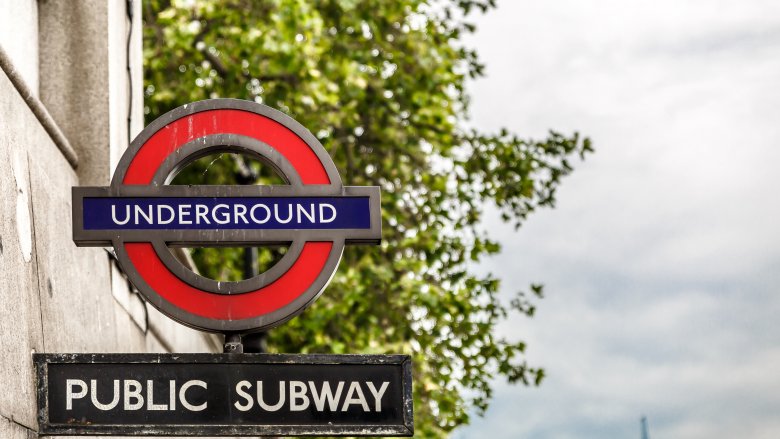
(662, 259)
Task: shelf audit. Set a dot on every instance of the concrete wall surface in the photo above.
(19, 37)
(64, 84)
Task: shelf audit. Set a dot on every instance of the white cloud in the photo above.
(660, 259)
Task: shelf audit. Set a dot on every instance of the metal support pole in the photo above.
(253, 343)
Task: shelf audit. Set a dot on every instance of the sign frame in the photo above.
(406, 428)
(196, 130)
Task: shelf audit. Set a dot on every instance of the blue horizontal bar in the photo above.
(210, 213)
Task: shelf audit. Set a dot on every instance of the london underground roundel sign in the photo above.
(142, 216)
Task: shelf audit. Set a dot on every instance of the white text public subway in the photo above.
(292, 395)
(297, 213)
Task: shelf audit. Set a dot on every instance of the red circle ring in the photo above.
(272, 304)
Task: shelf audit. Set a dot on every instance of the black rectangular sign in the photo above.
(224, 394)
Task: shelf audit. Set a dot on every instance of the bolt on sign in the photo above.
(142, 217)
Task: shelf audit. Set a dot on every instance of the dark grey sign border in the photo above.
(42, 361)
(225, 237)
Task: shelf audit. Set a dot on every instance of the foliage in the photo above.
(381, 83)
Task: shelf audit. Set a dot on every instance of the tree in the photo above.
(381, 83)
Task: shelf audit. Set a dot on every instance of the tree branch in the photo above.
(223, 70)
(215, 62)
